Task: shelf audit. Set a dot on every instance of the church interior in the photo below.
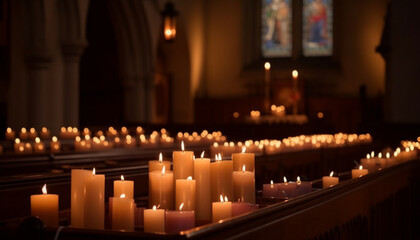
(209, 119)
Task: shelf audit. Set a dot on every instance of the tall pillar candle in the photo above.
(95, 201)
(202, 191)
(123, 213)
(45, 207)
(78, 179)
(243, 158)
(221, 178)
(161, 190)
(125, 187)
(183, 165)
(221, 210)
(295, 91)
(185, 193)
(154, 220)
(244, 186)
(267, 68)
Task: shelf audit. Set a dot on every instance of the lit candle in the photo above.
(32, 133)
(270, 190)
(181, 220)
(243, 158)
(55, 145)
(369, 163)
(303, 187)
(221, 210)
(39, 146)
(295, 90)
(185, 193)
(267, 67)
(123, 213)
(381, 162)
(28, 148)
(161, 191)
(221, 176)
(125, 187)
(329, 181)
(183, 165)
(10, 134)
(18, 146)
(356, 173)
(244, 185)
(45, 207)
(78, 179)
(157, 165)
(202, 178)
(95, 201)
(23, 134)
(154, 220)
(45, 133)
(287, 189)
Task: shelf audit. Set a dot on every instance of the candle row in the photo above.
(24, 134)
(37, 147)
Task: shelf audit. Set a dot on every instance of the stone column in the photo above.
(38, 67)
(72, 51)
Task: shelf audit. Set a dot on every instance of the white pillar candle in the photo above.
(95, 201)
(221, 210)
(45, 207)
(185, 193)
(329, 181)
(202, 178)
(161, 190)
(125, 187)
(123, 213)
(221, 175)
(78, 179)
(157, 165)
(154, 220)
(244, 185)
(243, 158)
(183, 165)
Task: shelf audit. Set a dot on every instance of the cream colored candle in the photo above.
(95, 201)
(123, 213)
(157, 165)
(243, 158)
(356, 173)
(23, 134)
(161, 191)
(221, 210)
(55, 145)
(10, 134)
(45, 207)
(221, 178)
(185, 193)
(45, 133)
(244, 185)
(329, 181)
(39, 147)
(202, 191)
(183, 165)
(78, 179)
(32, 134)
(125, 187)
(154, 220)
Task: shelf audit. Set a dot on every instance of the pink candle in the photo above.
(239, 208)
(177, 221)
(287, 189)
(303, 187)
(270, 190)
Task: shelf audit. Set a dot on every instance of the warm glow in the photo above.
(235, 114)
(226, 199)
(202, 155)
(93, 172)
(387, 155)
(44, 189)
(23, 130)
(271, 182)
(181, 206)
(154, 207)
(368, 156)
(243, 149)
(32, 130)
(320, 115)
(284, 179)
(298, 180)
(243, 168)
(54, 139)
(17, 140)
(221, 198)
(160, 157)
(380, 155)
(267, 66)
(189, 178)
(122, 177)
(163, 170)
(331, 173)
(360, 167)
(168, 33)
(44, 129)
(372, 154)
(37, 140)
(182, 146)
(122, 195)
(295, 74)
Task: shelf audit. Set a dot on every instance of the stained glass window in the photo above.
(317, 28)
(276, 37)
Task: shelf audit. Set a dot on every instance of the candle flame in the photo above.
(93, 172)
(54, 139)
(202, 155)
(122, 177)
(243, 168)
(17, 140)
(37, 140)
(388, 155)
(298, 180)
(221, 198)
(182, 146)
(271, 182)
(154, 207)
(122, 195)
(32, 130)
(160, 157)
(23, 130)
(163, 170)
(189, 178)
(368, 156)
(44, 189)
(331, 173)
(395, 153)
(285, 179)
(360, 167)
(220, 157)
(407, 149)
(372, 154)
(9, 130)
(267, 66)
(226, 199)
(181, 206)
(380, 155)
(295, 74)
